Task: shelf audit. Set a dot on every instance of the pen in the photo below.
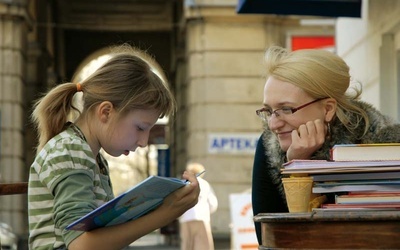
(202, 172)
(197, 175)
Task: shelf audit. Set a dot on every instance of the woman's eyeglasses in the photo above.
(266, 113)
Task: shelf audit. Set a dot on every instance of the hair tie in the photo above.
(78, 87)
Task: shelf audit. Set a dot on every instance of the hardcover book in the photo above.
(350, 188)
(323, 166)
(365, 152)
(356, 176)
(357, 182)
(375, 198)
(384, 206)
(136, 202)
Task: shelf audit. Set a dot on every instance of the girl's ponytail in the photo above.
(51, 112)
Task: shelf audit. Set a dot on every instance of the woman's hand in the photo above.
(307, 139)
(184, 198)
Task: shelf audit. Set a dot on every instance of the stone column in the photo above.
(223, 88)
(13, 35)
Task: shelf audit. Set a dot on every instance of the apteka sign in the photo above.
(232, 143)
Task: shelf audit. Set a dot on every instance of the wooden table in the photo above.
(328, 229)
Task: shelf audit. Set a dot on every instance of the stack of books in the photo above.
(372, 200)
(361, 176)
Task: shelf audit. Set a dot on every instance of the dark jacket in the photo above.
(267, 191)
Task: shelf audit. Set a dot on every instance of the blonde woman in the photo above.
(309, 106)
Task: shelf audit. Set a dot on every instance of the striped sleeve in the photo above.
(64, 184)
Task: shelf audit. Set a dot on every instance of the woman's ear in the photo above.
(104, 111)
(330, 109)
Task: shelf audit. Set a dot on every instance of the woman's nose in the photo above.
(275, 122)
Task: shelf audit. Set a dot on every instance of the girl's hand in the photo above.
(184, 198)
(307, 139)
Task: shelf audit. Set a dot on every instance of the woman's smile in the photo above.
(284, 134)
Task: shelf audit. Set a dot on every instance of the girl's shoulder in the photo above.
(67, 139)
(66, 146)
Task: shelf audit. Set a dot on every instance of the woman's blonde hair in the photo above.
(126, 80)
(319, 73)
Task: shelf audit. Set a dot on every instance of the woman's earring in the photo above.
(329, 132)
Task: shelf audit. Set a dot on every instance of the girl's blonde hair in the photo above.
(319, 73)
(126, 80)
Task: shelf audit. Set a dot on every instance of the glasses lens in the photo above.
(266, 114)
(285, 111)
(261, 113)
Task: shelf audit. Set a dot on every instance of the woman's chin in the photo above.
(285, 145)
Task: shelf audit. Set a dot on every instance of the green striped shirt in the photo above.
(65, 184)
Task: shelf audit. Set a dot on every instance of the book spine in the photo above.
(371, 194)
(366, 200)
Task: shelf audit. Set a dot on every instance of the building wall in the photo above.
(223, 87)
(14, 23)
(371, 47)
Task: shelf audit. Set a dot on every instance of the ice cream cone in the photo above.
(298, 193)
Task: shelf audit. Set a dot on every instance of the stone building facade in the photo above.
(212, 57)
(15, 24)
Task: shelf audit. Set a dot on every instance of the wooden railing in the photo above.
(13, 188)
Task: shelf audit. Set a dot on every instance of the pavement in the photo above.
(154, 247)
(156, 241)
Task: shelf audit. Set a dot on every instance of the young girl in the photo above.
(69, 178)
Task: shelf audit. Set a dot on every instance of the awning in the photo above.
(328, 8)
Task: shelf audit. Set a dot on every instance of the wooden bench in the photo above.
(13, 188)
(366, 229)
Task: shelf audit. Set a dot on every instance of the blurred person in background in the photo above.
(195, 227)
